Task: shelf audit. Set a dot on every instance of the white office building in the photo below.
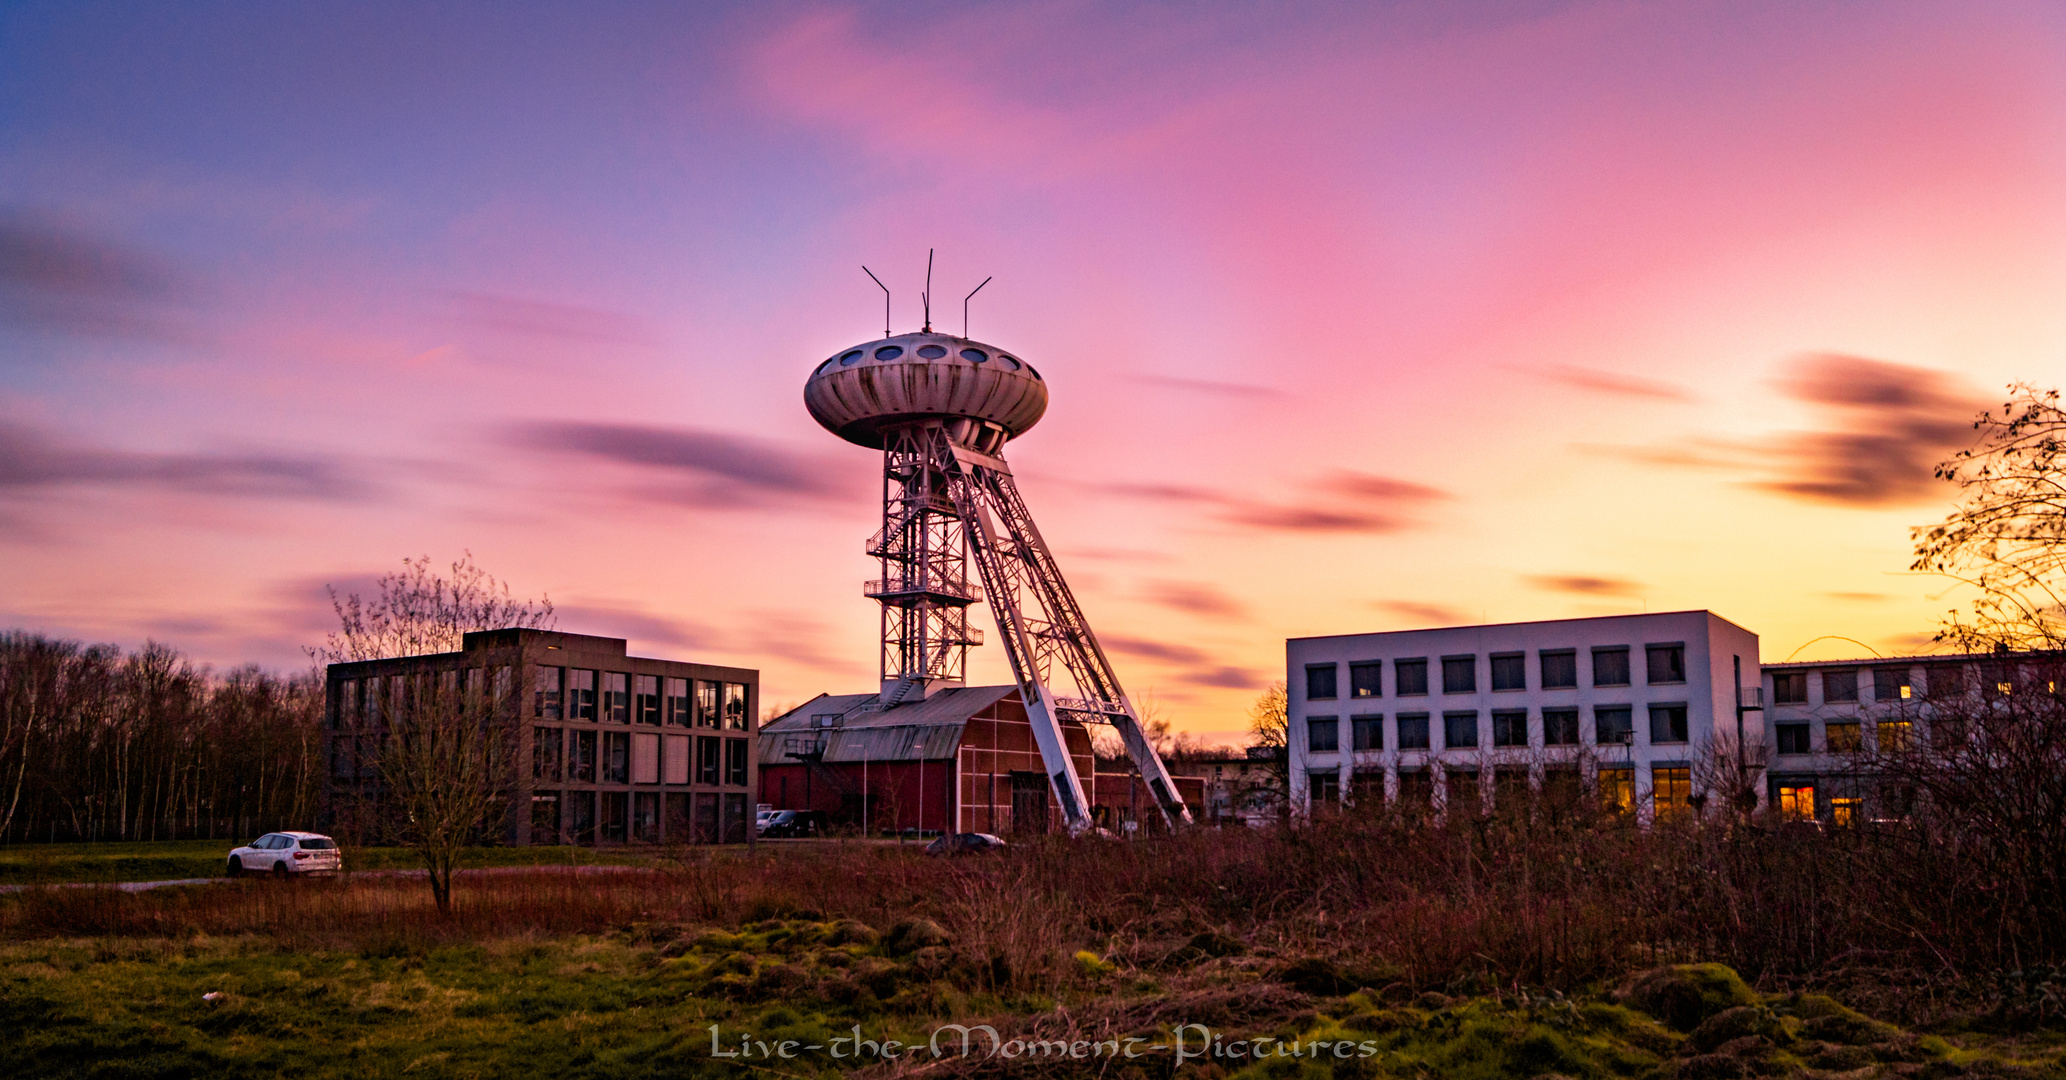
(1468, 714)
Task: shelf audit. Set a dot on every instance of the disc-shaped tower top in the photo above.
(859, 391)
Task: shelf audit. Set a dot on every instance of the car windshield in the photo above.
(315, 843)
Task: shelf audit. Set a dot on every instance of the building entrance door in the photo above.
(1029, 793)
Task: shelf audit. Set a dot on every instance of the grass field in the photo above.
(172, 860)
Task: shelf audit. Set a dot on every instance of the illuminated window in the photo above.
(735, 706)
(1891, 684)
(1895, 736)
(1844, 812)
(1797, 802)
(1843, 738)
(1672, 791)
(1618, 789)
(706, 705)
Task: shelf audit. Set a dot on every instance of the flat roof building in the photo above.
(606, 747)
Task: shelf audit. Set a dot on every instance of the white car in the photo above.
(286, 854)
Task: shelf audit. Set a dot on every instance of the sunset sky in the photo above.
(1355, 317)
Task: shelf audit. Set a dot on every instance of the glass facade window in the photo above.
(1610, 667)
(1667, 723)
(1560, 727)
(706, 703)
(1366, 680)
(708, 760)
(1366, 733)
(1510, 727)
(1840, 686)
(735, 762)
(1793, 738)
(645, 816)
(341, 764)
(545, 696)
(1672, 792)
(1509, 671)
(578, 808)
(616, 757)
(1459, 674)
(1843, 738)
(1320, 682)
(616, 815)
(645, 699)
(1613, 725)
(1664, 663)
(1413, 731)
(616, 698)
(545, 754)
(344, 702)
(545, 817)
(1323, 734)
(581, 757)
(581, 695)
(1459, 729)
(1410, 677)
(735, 706)
(678, 712)
(1559, 669)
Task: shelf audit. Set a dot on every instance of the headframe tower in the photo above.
(941, 408)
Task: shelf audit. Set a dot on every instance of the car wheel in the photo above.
(280, 871)
(236, 867)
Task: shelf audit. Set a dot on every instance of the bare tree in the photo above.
(418, 611)
(1269, 726)
(2007, 538)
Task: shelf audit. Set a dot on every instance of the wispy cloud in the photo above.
(1859, 597)
(1337, 502)
(32, 460)
(1611, 382)
(611, 620)
(1195, 598)
(1423, 612)
(1193, 666)
(526, 317)
(708, 469)
(1584, 585)
(53, 277)
(1214, 387)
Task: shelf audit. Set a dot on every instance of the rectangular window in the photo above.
(1320, 682)
(674, 767)
(1610, 667)
(1789, 688)
(1324, 786)
(1840, 686)
(678, 714)
(616, 698)
(545, 754)
(1613, 725)
(616, 757)
(645, 757)
(707, 760)
(545, 817)
(1459, 729)
(645, 816)
(735, 762)
(645, 700)
(1666, 663)
(1560, 727)
(341, 764)
(706, 703)
(1459, 674)
(1672, 791)
(1366, 732)
(1322, 735)
(341, 701)
(1559, 669)
(1509, 671)
(581, 757)
(1618, 788)
(1667, 724)
(1944, 681)
(1891, 684)
(1844, 813)
(581, 695)
(1895, 736)
(1416, 790)
(616, 814)
(735, 706)
(1793, 738)
(1843, 738)
(1410, 677)
(1510, 727)
(1367, 680)
(545, 699)
(578, 807)
(1413, 731)
(1464, 796)
(1797, 802)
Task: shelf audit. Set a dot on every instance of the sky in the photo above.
(1354, 317)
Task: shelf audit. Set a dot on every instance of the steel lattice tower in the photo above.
(940, 409)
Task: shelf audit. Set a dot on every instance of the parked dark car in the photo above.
(964, 843)
(794, 823)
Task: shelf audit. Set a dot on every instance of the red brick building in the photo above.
(961, 760)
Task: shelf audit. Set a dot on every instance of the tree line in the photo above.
(101, 744)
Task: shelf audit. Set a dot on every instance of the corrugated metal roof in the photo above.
(852, 731)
